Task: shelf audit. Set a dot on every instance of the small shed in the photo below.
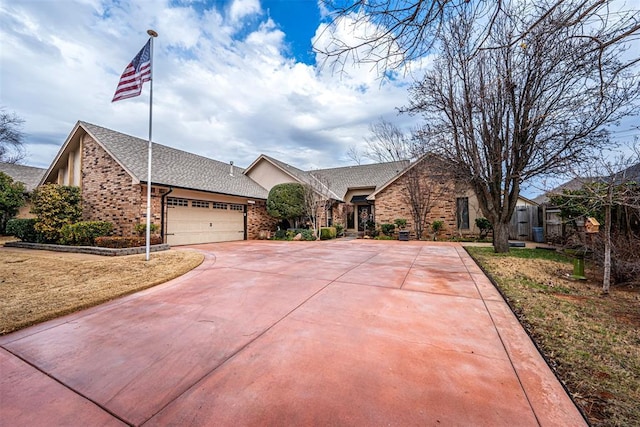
(591, 225)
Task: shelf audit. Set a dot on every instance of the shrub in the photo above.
(339, 228)
(84, 233)
(305, 233)
(436, 226)
(387, 229)
(54, 206)
(327, 233)
(370, 229)
(400, 222)
(383, 237)
(280, 235)
(625, 263)
(286, 201)
(141, 229)
(117, 242)
(11, 199)
(24, 229)
(484, 225)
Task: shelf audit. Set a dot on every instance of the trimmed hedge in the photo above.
(24, 229)
(327, 233)
(84, 233)
(116, 242)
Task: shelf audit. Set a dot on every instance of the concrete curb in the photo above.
(92, 250)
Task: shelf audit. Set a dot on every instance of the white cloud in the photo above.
(361, 62)
(223, 85)
(240, 9)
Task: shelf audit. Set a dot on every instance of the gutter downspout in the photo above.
(162, 214)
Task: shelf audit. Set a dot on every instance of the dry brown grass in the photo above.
(41, 285)
(592, 341)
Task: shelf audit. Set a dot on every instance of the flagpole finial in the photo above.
(152, 33)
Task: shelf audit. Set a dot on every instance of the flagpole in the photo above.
(152, 35)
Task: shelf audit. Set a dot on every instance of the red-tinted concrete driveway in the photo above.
(291, 333)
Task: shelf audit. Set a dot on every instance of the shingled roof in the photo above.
(172, 167)
(340, 180)
(28, 175)
(629, 174)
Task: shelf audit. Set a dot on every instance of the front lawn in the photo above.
(591, 341)
(39, 285)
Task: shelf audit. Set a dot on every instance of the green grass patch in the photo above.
(526, 253)
(592, 341)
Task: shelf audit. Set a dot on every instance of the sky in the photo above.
(233, 79)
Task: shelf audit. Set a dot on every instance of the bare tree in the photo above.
(317, 198)
(427, 183)
(11, 137)
(607, 185)
(387, 143)
(534, 97)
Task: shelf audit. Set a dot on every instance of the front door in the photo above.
(364, 214)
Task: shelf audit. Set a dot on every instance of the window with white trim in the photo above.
(219, 205)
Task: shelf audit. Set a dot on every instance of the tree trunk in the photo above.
(606, 279)
(501, 237)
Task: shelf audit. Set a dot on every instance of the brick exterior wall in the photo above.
(258, 219)
(156, 204)
(392, 203)
(107, 190)
(339, 213)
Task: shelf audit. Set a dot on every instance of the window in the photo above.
(218, 205)
(200, 204)
(236, 207)
(174, 201)
(462, 212)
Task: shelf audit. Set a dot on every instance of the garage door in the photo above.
(199, 221)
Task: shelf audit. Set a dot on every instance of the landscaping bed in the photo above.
(591, 341)
(93, 250)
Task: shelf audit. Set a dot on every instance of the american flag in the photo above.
(137, 72)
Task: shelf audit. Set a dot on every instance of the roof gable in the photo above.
(173, 167)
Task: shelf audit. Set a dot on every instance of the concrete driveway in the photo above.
(340, 332)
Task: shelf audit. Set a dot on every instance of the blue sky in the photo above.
(232, 78)
(298, 19)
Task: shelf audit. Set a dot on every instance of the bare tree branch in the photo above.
(11, 137)
(354, 154)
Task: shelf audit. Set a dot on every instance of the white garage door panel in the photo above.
(189, 225)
